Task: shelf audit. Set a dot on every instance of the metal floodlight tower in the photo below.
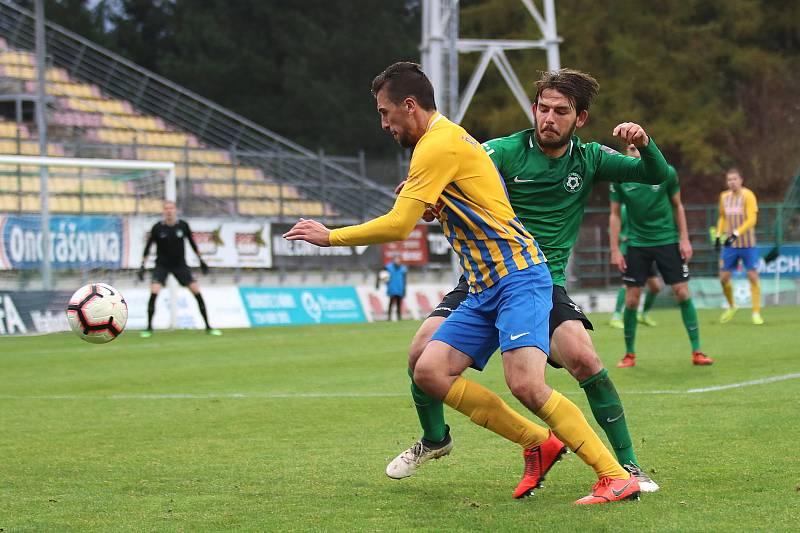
(441, 46)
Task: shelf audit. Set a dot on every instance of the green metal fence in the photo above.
(591, 266)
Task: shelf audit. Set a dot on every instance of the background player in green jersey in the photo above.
(619, 240)
(657, 233)
(549, 173)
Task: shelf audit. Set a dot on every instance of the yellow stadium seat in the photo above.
(9, 129)
(30, 204)
(151, 205)
(8, 146)
(9, 203)
(9, 184)
(13, 57)
(219, 190)
(63, 185)
(257, 207)
(65, 204)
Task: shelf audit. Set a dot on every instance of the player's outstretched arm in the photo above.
(395, 225)
(310, 231)
(632, 133)
(651, 168)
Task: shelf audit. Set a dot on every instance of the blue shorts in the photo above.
(731, 256)
(512, 313)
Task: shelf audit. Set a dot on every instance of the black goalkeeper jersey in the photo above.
(170, 249)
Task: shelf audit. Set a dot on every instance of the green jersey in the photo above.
(650, 218)
(549, 194)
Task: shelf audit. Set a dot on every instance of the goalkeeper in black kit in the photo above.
(168, 236)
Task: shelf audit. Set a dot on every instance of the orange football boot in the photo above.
(538, 462)
(609, 489)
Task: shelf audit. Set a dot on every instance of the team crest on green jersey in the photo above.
(573, 182)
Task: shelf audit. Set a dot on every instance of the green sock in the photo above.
(620, 301)
(649, 298)
(629, 319)
(430, 412)
(607, 409)
(689, 316)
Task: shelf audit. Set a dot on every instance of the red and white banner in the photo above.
(413, 251)
(420, 300)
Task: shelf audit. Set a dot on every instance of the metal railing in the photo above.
(591, 258)
(352, 194)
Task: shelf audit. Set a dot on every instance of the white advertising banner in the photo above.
(222, 243)
(223, 304)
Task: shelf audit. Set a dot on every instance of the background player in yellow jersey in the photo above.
(509, 298)
(738, 214)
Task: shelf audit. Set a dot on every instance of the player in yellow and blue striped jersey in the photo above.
(510, 286)
(738, 214)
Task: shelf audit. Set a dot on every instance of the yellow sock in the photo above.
(755, 295)
(570, 426)
(486, 409)
(727, 290)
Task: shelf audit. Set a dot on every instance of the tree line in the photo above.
(714, 81)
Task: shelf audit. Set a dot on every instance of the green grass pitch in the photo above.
(290, 429)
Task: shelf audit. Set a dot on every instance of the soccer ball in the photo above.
(97, 313)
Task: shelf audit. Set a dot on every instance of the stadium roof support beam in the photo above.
(441, 46)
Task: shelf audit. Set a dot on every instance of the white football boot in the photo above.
(646, 484)
(408, 462)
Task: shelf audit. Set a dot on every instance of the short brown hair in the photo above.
(580, 88)
(734, 170)
(405, 79)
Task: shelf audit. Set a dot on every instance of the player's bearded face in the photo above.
(395, 120)
(556, 119)
(550, 136)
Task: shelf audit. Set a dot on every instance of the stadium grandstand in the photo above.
(103, 106)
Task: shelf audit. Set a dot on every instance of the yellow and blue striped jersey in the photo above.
(452, 174)
(739, 212)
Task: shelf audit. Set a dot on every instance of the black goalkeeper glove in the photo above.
(717, 244)
(140, 273)
(731, 239)
(772, 255)
(203, 267)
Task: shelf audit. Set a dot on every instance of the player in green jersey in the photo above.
(549, 173)
(657, 233)
(619, 240)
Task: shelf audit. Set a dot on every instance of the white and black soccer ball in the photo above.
(97, 313)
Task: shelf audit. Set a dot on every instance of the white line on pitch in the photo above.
(292, 395)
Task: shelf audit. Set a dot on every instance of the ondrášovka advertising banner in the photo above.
(412, 252)
(268, 306)
(83, 242)
(32, 312)
(299, 254)
(222, 243)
